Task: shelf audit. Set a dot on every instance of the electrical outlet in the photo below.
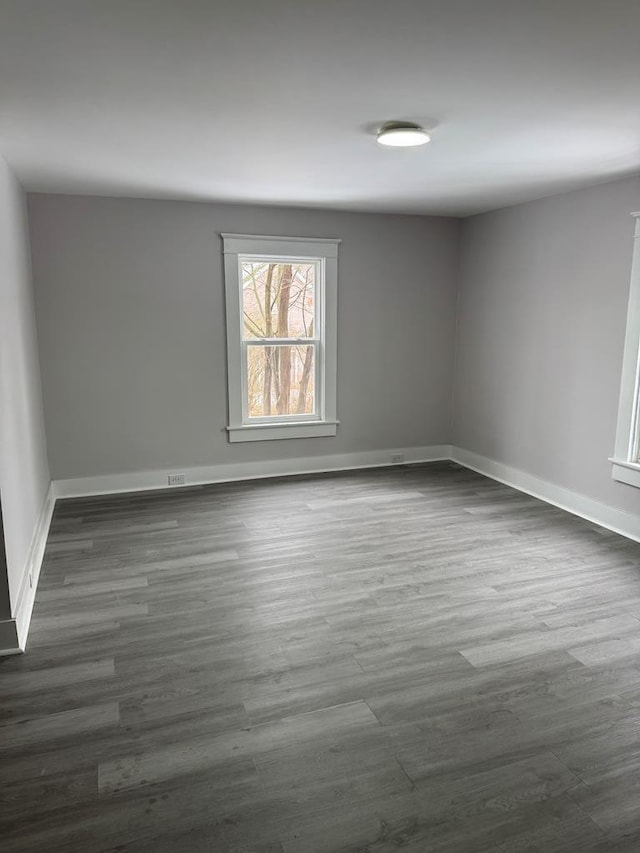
(176, 479)
(397, 458)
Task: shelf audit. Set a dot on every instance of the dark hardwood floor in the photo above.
(412, 658)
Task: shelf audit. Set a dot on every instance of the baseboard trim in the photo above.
(26, 596)
(139, 481)
(616, 520)
(9, 643)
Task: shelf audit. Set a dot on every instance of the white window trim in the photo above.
(625, 464)
(325, 423)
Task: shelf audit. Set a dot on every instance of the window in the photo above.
(626, 459)
(281, 303)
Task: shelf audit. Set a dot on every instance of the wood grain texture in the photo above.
(413, 658)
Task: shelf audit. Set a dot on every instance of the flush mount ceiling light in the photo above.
(402, 134)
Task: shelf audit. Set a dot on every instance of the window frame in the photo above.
(626, 458)
(323, 252)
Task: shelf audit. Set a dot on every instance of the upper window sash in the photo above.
(318, 294)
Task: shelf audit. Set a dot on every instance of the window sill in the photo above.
(276, 432)
(625, 472)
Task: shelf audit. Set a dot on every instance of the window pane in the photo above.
(280, 380)
(278, 299)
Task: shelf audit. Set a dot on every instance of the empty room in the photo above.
(319, 426)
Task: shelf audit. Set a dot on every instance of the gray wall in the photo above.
(541, 323)
(130, 313)
(24, 473)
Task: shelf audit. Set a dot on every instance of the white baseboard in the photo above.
(616, 520)
(138, 481)
(14, 631)
(9, 644)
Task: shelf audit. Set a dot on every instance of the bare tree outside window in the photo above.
(278, 303)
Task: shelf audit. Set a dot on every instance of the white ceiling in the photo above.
(277, 101)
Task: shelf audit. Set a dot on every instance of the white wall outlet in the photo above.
(397, 458)
(176, 479)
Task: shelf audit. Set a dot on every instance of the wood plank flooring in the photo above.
(414, 658)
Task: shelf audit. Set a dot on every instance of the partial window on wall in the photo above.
(626, 459)
(281, 304)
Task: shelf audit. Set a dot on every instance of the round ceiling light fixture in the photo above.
(402, 134)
